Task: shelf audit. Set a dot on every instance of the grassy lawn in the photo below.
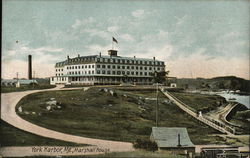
(97, 114)
(240, 116)
(12, 136)
(139, 153)
(200, 102)
(133, 154)
(25, 88)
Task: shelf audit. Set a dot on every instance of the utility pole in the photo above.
(156, 108)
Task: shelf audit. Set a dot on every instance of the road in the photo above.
(8, 114)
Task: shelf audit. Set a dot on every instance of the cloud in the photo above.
(44, 54)
(138, 13)
(198, 65)
(113, 28)
(127, 37)
(10, 69)
(96, 32)
(78, 23)
(98, 48)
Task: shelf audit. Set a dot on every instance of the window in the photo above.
(136, 73)
(75, 67)
(103, 72)
(86, 66)
(127, 67)
(136, 62)
(150, 63)
(113, 66)
(145, 68)
(140, 73)
(158, 69)
(136, 67)
(150, 68)
(104, 66)
(119, 60)
(82, 67)
(132, 67)
(56, 70)
(128, 73)
(145, 73)
(89, 72)
(140, 62)
(98, 66)
(128, 61)
(123, 61)
(79, 72)
(140, 67)
(98, 71)
(108, 66)
(123, 72)
(108, 60)
(113, 72)
(93, 72)
(132, 73)
(108, 72)
(123, 67)
(52, 79)
(118, 67)
(79, 67)
(118, 72)
(93, 66)
(89, 66)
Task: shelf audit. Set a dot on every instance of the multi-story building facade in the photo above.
(112, 69)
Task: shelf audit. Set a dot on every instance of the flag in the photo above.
(114, 40)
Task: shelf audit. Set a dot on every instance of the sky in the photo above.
(194, 38)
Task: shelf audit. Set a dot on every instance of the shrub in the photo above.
(145, 144)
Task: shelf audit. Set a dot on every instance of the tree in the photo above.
(159, 77)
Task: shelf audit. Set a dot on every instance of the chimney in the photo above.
(154, 58)
(100, 54)
(29, 67)
(134, 56)
(179, 141)
(68, 57)
(78, 55)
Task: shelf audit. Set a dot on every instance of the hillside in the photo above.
(225, 82)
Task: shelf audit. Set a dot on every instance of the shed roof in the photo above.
(8, 81)
(27, 81)
(168, 136)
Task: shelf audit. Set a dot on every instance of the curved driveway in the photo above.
(8, 114)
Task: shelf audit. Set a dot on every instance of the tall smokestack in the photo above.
(29, 67)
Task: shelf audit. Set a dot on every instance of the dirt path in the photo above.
(8, 114)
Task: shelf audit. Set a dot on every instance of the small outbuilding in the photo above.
(173, 140)
(25, 82)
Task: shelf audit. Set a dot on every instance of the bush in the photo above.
(145, 144)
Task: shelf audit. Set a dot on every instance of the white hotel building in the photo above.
(111, 69)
